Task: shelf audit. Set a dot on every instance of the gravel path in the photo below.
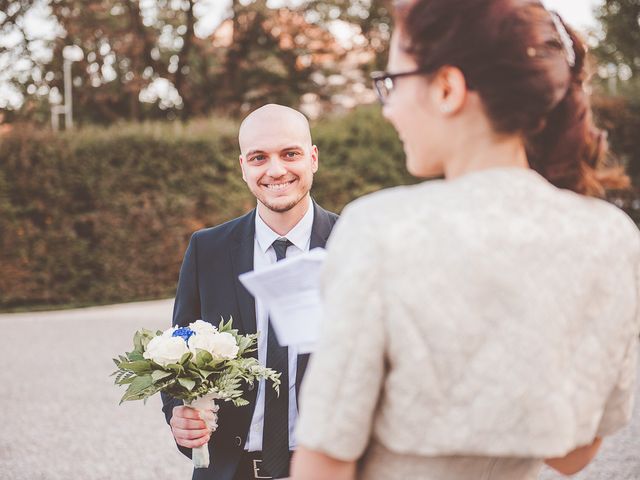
(63, 421)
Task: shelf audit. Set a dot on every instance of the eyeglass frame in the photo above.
(381, 77)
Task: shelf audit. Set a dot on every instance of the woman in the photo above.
(479, 325)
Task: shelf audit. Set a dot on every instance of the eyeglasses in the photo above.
(384, 82)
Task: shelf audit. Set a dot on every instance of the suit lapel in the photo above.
(242, 260)
(321, 228)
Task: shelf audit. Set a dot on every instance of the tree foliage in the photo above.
(148, 59)
(18, 49)
(617, 102)
(620, 21)
(618, 50)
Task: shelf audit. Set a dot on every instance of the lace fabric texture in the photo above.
(489, 316)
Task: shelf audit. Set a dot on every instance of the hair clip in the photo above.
(567, 43)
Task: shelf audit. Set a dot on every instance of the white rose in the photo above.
(225, 346)
(202, 341)
(164, 349)
(169, 332)
(219, 345)
(200, 327)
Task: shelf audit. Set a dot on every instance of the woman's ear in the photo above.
(449, 89)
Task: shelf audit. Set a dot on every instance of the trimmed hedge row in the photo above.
(102, 216)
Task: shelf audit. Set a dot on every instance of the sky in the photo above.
(577, 13)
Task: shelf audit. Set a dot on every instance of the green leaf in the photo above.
(203, 357)
(185, 358)
(244, 343)
(157, 375)
(137, 387)
(214, 363)
(138, 366)
(135, 356)
(240, 402)
(123, 377)
(142, 338)
(176, 367)
(227, 327)
(187, 383)
(137, 342)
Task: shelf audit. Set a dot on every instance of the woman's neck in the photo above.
(480, 147)
(490, 151)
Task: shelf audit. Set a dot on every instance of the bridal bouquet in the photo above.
(197, 364)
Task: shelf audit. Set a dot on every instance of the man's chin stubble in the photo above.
(282, 208)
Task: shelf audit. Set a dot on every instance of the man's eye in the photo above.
(257, 158)
(291, 154)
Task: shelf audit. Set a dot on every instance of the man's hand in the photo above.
(188, 428)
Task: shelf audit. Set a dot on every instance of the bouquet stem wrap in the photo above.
(200, 455)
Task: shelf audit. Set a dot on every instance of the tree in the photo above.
(128, 46)
(617, 103)
(132, 49)
(20, 64)
(618, 47)
(372, 20)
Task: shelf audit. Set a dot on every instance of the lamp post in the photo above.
(70, 53)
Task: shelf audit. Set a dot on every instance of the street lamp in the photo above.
(70, 53)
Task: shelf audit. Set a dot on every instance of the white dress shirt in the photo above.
(263, 256)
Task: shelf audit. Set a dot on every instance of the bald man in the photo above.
(278, 161)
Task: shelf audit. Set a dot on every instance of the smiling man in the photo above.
(278, 161)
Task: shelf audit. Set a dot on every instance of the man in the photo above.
(278, 161)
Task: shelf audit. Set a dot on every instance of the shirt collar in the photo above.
(299, 235)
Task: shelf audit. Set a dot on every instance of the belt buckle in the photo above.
(256, 469)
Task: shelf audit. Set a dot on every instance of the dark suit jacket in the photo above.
(209, 289)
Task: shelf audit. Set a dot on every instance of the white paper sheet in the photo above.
(290, 289)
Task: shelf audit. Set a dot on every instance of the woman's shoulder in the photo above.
(505, 199)
(390, 202)
(612, 222)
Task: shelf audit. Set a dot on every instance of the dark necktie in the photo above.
(275, 434)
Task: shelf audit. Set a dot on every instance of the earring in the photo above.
(446, 108)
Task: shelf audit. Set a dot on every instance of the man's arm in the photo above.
(576, 460)
(186, 309)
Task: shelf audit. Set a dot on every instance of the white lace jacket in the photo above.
(491, 315)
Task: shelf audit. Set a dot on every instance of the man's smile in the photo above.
(278, 186)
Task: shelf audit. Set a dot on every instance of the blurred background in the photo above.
(118, 124)
(118, 139)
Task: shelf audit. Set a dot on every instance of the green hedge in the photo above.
(104, 215)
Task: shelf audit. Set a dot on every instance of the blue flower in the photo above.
(184, 332)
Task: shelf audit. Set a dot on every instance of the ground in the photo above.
(60, 418)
